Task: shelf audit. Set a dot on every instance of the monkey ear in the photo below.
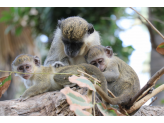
(90, 29)
(109, 51)
(59, 23)
(37, 61)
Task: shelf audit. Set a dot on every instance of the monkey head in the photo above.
(99, 56)
(74, 30)
(25, 63)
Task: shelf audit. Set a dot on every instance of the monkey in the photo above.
(122, 80)
(72, 39)
(40, 83)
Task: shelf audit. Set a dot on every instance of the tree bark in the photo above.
(55, 104)
(46, 104)
(150, 111)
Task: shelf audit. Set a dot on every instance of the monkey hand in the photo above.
(150, 91)
(21, 99)
(58, 64)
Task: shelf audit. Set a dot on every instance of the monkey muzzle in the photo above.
(72, 54)
(26, 76)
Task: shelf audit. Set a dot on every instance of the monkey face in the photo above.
(25, 68)
(100, 63)
(72, 48)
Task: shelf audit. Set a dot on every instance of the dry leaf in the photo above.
(4, 84)
(160, 48)
(82, 82)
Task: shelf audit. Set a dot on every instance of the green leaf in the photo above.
(5, 80)
(105, 111)
(80, 112)
(12, 9)
(162, 101)
(82, 82)
(5, 18)
(78, 100)
(18, 30)
(88, 83)
(161, 46)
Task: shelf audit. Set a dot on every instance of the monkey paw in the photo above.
(21, 99)
(58, 64)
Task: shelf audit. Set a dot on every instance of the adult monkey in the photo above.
(72, 39)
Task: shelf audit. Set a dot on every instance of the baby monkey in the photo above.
(46, 79)
(122, 80)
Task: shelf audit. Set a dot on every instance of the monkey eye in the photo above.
(93, 63)
(27, 67)
(21, 68)
(100, 61)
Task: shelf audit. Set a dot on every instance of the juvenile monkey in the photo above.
(40, 83)
(73, 38)
(121, 79)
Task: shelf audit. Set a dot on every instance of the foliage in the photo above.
(157, 18)
(44, 21)
(79, 102)
(4, 84)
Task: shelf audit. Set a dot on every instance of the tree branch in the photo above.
(151, 82)
(138, 104)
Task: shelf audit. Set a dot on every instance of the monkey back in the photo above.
(74, 28)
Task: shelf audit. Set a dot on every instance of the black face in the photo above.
(72, 49)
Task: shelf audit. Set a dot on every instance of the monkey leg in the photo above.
(35, 90)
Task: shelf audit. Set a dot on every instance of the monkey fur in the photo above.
(72, 38)
(122, 80)
(40, 83)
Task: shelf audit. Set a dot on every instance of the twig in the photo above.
(89, 76)
(32, 73)
(94, 101)
(153, 100)
(149, 23)
(138, 104)
(143, 113)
